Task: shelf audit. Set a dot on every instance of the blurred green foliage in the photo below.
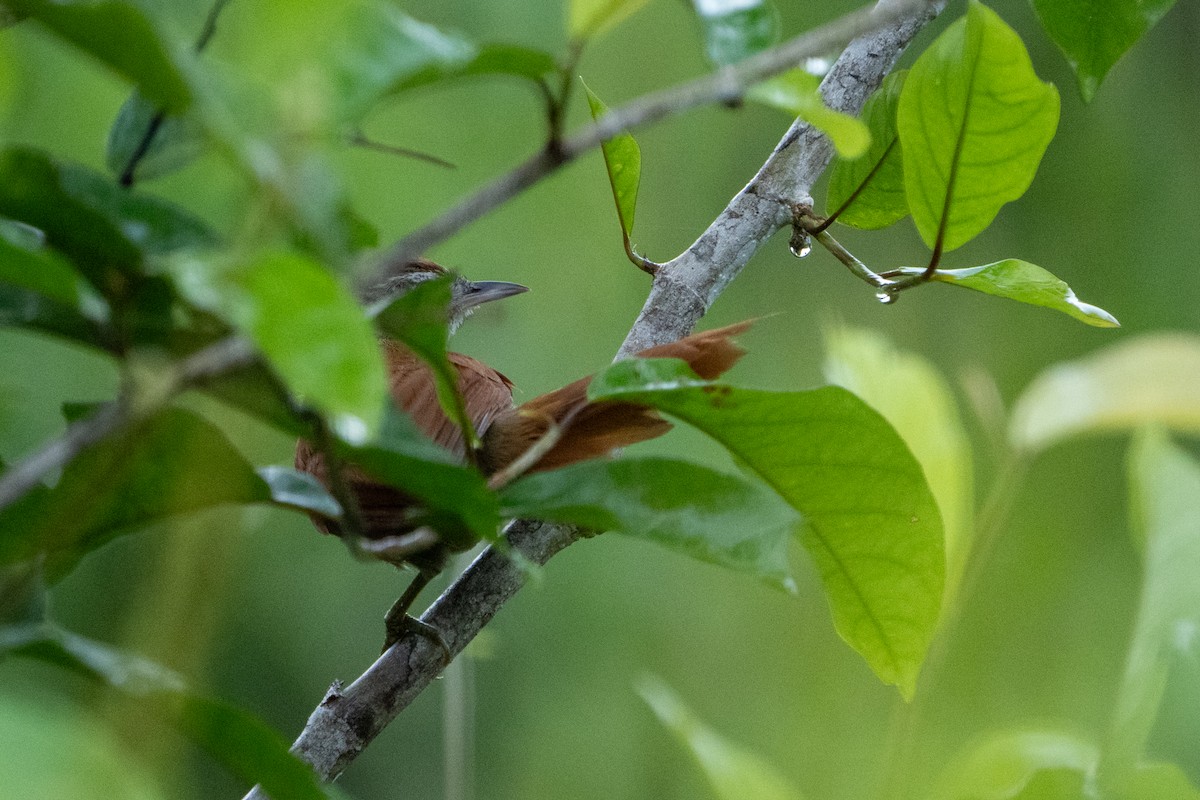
(252, 606)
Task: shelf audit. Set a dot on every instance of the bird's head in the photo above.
(465, 295)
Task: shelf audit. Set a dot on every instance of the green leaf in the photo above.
(1147, 379)
(1158, 781)
(873, 185)
(1165, 501)
(873, 526)
(693, 510)
(1026, 283)
(177, 140)
(239, 741)
(589, 18)
(26, 309)
(734, 29)
(915, 398)
(796, 92)
(974, 121)
(418, 318)
(733, 772)
(1094, 34)
(307, 325)
(122, 37)
(383, 50)
(299, 490)
(1026, 764)
(26, 263)
(124, 483)
(623, 161)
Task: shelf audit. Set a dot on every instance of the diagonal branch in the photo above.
(348, 718)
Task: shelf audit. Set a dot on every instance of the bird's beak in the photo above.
(486, 291)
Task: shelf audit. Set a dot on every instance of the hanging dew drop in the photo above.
(800, 246)
(887, 298)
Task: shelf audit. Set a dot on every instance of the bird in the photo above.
(564, 424)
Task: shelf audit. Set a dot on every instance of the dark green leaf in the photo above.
(25, 309)
(511, 59)
(1025, 283)
(1150, 379)
(623, 160)
(1093, 34)
(734, 30)
(589, 18)
(239, 741)
(693, 510)
(300, 491)
(418, 319)
(1023, 764)
(796, 92)
(1165, 501)
(974, 121)
(733, 772)
(149, 473)
(307, 325)
(176, 142)
(120, 36)
(876, 180)
(873, 528)
(29, 265)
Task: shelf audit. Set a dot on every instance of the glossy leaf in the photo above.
(733, 772)
(239, 741)
(1093, 34)
(1010, 764)
(915, 398)
(418, 318)
(873, 185)
(384, 50)
(623, 161)
(590, 18)
(177, 140)
(734, 29)
(1026, 283)
(687, 508)
(121, 36)
(1165, 501)
(796, 92)
(873, 527)
(307, 325)
(299, 490)
(124, 483)
(1148, 379)
(974, 121)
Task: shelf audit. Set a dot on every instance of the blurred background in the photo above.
(255, 608)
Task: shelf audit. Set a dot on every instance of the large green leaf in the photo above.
(1148, 379)
(418, 319)
(239, 741)
(916, 399)
(873, 185)
(873, 527)
(1165, 500)
(1093, 34)
(734, 30)
(974, 121)
(171, 464)
(1024, 282)
(121, 36)
(589, 18)
(623, 161)
(691, 509)
(733, 772)
(307, 325)
(796, 92)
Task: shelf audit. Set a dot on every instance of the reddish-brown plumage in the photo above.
(588, 430)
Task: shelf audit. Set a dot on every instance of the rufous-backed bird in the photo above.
(584, 429)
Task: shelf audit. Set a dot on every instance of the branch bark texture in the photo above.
(348, 718)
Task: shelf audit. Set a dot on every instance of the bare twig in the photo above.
(729, 84)
(347, 719)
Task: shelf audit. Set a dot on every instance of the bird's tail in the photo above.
(593, 429)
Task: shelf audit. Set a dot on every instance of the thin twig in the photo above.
(360, 139)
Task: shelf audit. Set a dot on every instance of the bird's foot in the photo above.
(399, 625)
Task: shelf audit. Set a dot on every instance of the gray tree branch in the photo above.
(348, 718)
